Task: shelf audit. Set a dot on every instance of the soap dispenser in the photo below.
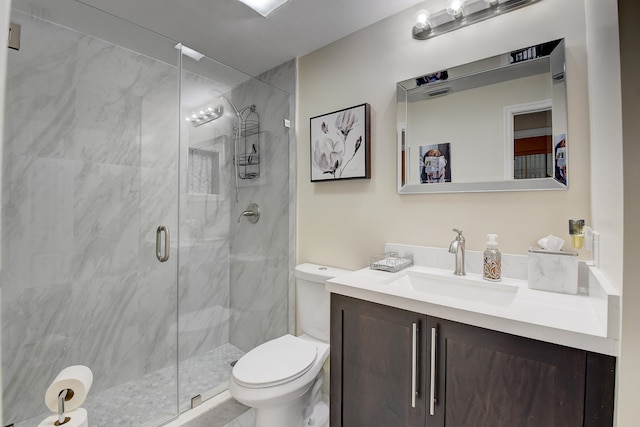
(492, 260)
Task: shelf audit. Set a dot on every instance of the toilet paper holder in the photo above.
(64, 395)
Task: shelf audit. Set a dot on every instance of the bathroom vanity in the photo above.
(481, 377)
(423, 348)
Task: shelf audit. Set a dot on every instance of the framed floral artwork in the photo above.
(341, 144)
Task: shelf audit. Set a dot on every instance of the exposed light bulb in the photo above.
(455, 7)
(423, 19)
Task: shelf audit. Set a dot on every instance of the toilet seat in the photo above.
(275, 362)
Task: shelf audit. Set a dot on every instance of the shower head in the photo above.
(225, 97)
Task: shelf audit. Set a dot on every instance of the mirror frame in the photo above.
(535, 184)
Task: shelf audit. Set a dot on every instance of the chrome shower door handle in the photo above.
(163, 256)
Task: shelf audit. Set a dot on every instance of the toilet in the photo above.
(282, 378)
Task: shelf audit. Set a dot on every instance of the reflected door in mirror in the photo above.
(532, 142)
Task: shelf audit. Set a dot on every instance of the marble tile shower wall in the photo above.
(260, 306)
(85, 184)
(285, 77)
(204, 233)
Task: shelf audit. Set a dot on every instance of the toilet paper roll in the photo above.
(78, 418)
(76, 378)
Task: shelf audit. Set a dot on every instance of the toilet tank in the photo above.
(312, 300)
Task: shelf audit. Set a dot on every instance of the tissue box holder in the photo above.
(553, 271)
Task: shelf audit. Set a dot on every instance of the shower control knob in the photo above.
(252, 213)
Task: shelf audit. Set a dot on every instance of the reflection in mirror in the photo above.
(532, 145)
(497, 124)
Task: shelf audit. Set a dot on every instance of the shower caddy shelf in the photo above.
(247, 144)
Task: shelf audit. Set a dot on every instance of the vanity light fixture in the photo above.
(460, 13)
(423, 19)
(455, 8)
(205, 115)
(264, 7)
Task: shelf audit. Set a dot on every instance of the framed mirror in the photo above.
(498, 124)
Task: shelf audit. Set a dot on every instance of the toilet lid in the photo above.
(275, 362)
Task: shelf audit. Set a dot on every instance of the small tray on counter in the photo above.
(391, 261)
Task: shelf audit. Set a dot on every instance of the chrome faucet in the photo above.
(457, 247)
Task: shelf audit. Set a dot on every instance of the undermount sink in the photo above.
(444, 284)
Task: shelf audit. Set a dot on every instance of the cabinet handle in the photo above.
(414, 365)
(162, 257)
(432, 389)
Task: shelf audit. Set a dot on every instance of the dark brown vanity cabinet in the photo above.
(493, 379)
(378, 359)
(482, 377)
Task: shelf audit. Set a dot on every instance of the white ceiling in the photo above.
(232, 33)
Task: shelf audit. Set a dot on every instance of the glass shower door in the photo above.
(233, 282)
(90, 173)
(206, 152)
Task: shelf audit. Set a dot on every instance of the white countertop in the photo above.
(588, 320)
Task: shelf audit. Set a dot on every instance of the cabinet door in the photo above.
(492, 379)
(377, 365)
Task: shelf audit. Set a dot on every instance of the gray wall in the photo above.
(629, 361)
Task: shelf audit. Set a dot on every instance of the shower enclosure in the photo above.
(123, 248)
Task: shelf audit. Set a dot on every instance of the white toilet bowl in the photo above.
(282, 378)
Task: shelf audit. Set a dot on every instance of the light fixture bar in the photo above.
(205, 115)
(264, 7)
(474, 11)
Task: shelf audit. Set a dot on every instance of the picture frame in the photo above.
(340, 144)
(435, 163)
